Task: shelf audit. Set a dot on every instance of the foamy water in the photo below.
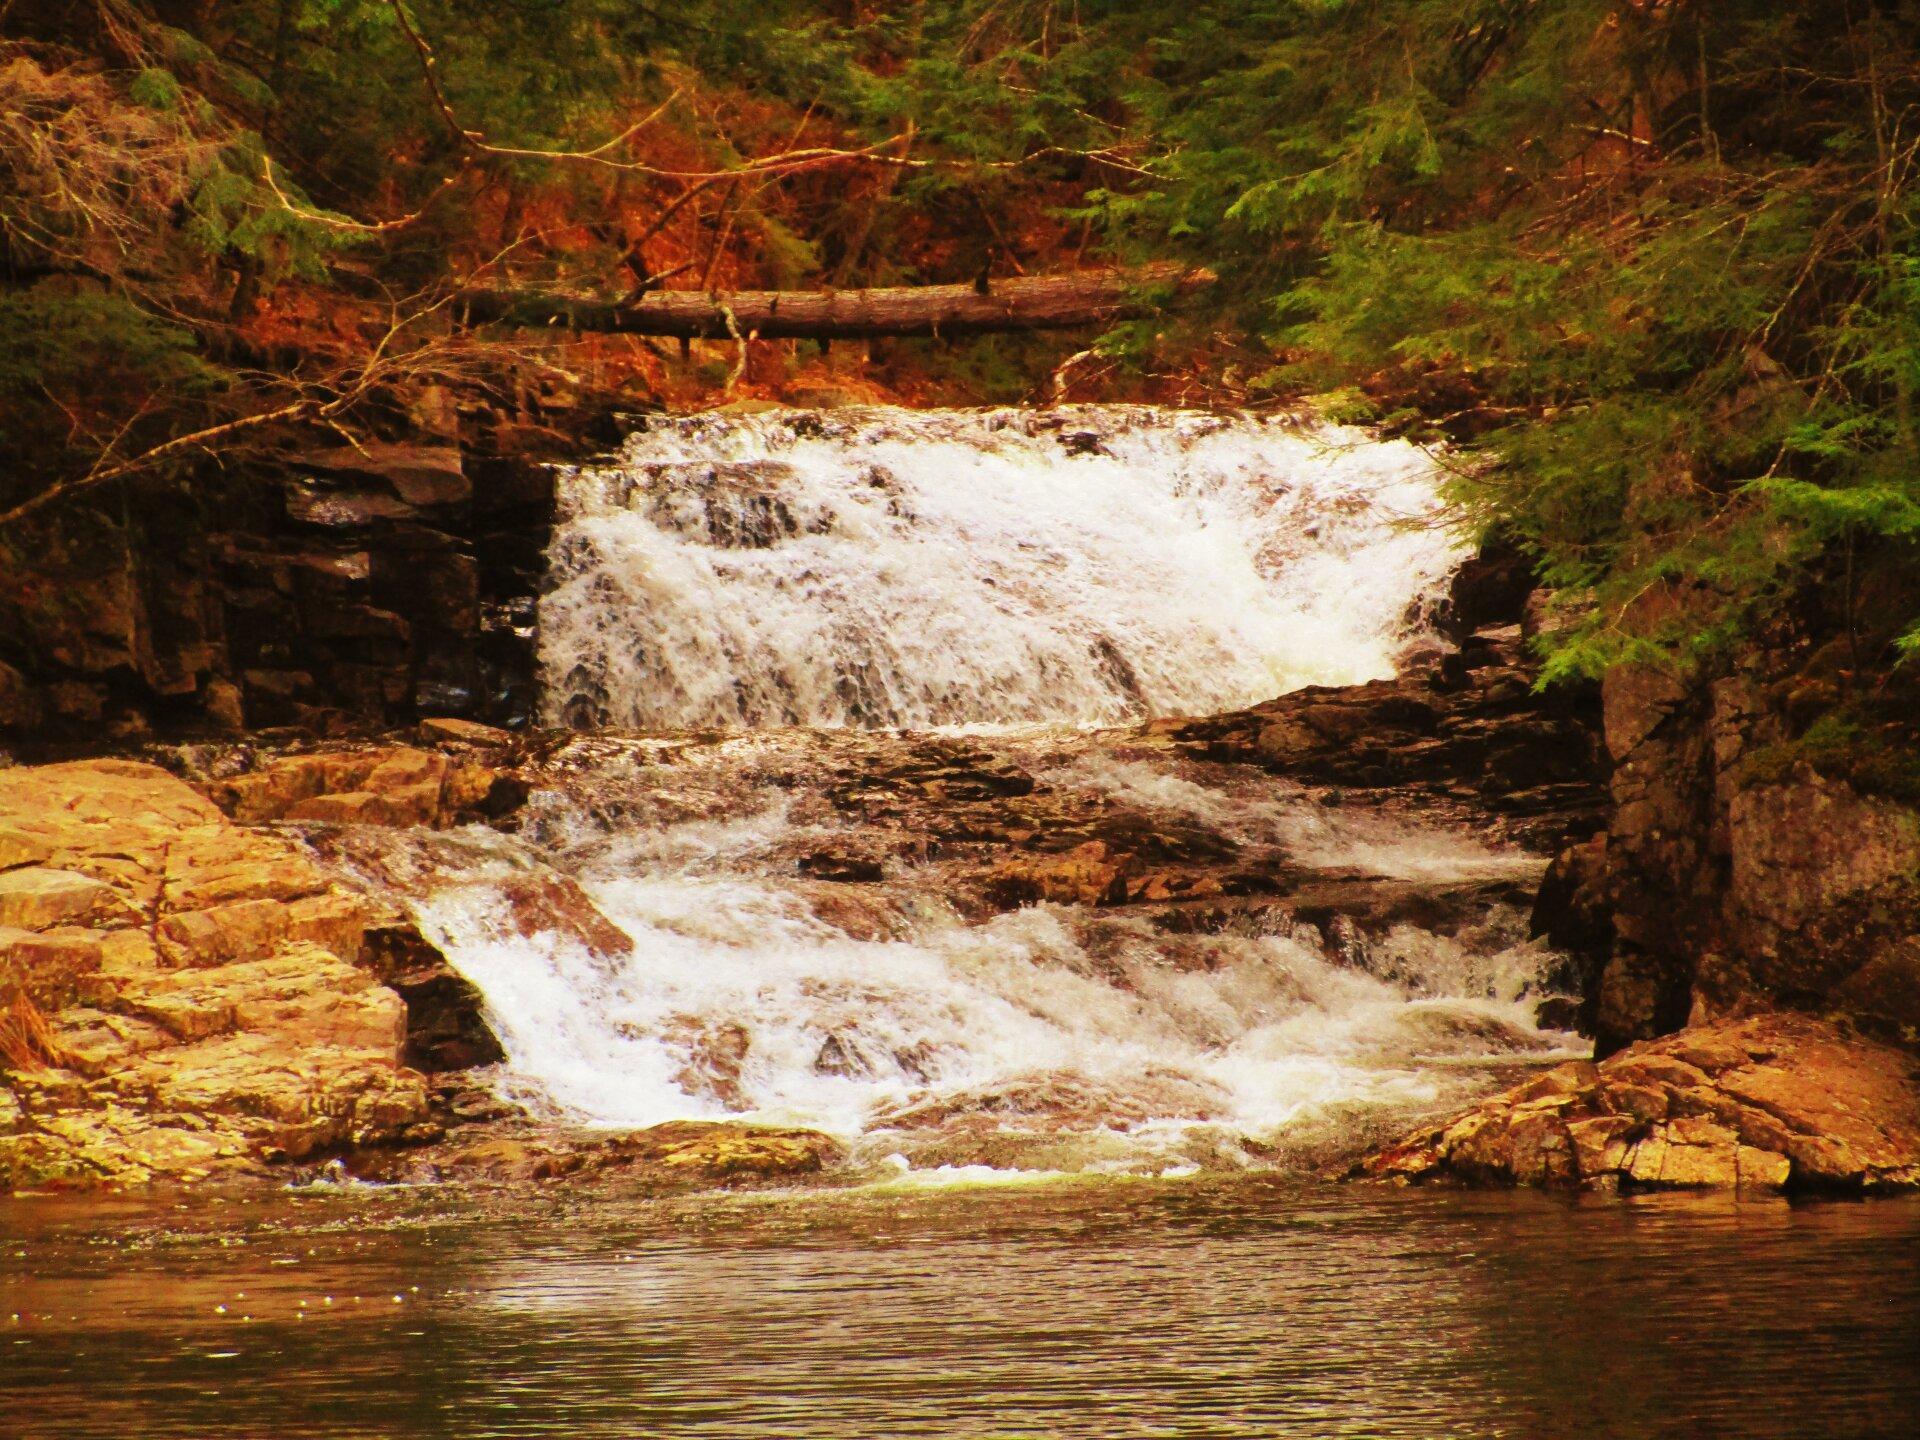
(898, 568)
(1049, 1037)
(887, 568)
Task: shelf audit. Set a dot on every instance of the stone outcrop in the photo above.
(328, 587)
(681, 1154)
(1733, 878)
(365, 785)
(1769, 1103)
(446, 1013)
(1464, 731)
(182, 995)
(1762, 917)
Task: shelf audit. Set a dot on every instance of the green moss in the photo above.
(1874, 755)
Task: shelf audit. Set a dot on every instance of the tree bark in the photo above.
(1039, 302)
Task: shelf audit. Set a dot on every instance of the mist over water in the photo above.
(897, 568)
(854, 572)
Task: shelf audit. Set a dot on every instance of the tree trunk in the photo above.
(1040, 302)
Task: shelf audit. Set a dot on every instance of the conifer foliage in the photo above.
(1657, 260)
(1653, 266)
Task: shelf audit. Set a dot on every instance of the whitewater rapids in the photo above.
(909, 569)
(777, 599)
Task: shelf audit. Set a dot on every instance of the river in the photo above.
(1228, 1307)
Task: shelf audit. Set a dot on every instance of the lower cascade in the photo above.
(845, 849)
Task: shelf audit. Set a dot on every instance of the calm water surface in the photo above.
(1149, 1308)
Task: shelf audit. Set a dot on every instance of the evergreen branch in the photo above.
(785, 163)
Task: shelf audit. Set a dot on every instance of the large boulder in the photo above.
(180, 995)
(1778, 1102)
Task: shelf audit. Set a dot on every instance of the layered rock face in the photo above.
(1765, 919)
(181, 994)
(1726, 884)
(1463, 732)
(326, 586)
(1771, 1103)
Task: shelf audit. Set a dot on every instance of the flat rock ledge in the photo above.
(181, 997)
(186, 998)
(677, 1155)
(1772, 1103)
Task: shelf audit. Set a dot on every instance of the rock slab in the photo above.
(1775, 1102)
(180, 996)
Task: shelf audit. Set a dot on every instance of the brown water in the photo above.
(1147, 1308)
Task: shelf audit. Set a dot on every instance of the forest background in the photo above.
(1645, 272)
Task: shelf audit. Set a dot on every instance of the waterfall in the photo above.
(911, 569)
(1047, 1034)
(780, 599)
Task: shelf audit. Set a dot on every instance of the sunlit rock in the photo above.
(213, 1019)
(1771, 1103)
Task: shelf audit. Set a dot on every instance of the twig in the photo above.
(342, 222)
(601, 154)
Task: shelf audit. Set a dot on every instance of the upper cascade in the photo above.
(916, 569)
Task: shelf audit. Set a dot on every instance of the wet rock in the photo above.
(545, 902)
(1774, 1102)
(343, 508)
(1491, 588)
(679, 1155)
(1475, 740)
(449, 729)
(841, 867)
(447, 1026)
(1060, 1102)
(419, 475)
(716, 1055)
(1085, 875)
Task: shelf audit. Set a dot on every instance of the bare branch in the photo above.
(601, 155)
(342, 222)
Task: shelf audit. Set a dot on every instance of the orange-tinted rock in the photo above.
(376, 785)
(38, 898)
(547, 902)
(678, 1154)
(1775, 1102)
(441, 729)
(210, 1019)
(49, 968)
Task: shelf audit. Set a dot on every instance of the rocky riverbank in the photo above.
(211, 971)
(187, 998)
(183, 998)
(1775, 1102)
(1749, 925)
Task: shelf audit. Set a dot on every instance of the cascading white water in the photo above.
(896, 569)
(1154, 1050)
(901, 568)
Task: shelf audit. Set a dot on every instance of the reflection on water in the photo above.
(1200, 1308)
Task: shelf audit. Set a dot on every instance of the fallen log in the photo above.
(1038, 302)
